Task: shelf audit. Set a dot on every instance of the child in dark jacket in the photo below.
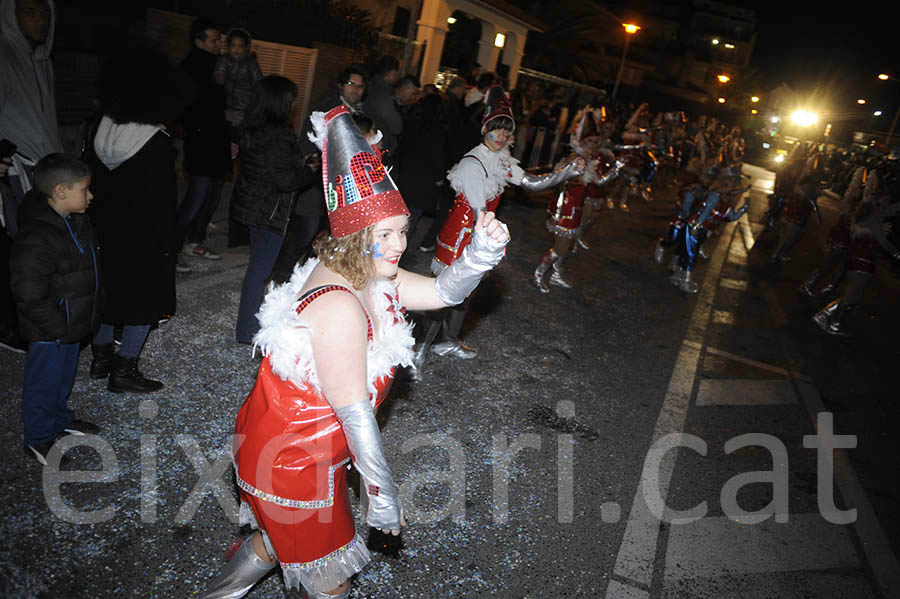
(54, 272)
(238, 72)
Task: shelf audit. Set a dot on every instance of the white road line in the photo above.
(875, 543)
(745, 392)
(637, 552)
(723, 317)
(746, 233)
(718, 546)
(736, 284)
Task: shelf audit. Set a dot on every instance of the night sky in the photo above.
(824, 51)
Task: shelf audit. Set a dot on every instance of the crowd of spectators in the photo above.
(233, 123)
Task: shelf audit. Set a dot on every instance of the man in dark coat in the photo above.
(206, 142)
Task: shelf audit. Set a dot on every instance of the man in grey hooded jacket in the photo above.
(27, 104)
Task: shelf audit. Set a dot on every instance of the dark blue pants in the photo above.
(49, 374)
(264, 248)
(197, 209)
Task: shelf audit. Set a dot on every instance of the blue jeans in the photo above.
(49, 375)
(133, 338)
(197, 209)
(264, 248)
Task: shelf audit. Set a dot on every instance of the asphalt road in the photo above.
(538, 469)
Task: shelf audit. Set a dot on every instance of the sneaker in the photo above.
(200, 251)
(80, 428)
(12, 341)
(181, 265)
(41, 451)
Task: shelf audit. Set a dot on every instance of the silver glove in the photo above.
(611, 173)
(364, 441)
(458, 280)
(541, 182)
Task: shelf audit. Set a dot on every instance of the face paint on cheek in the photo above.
(493, 137)
(376, 250)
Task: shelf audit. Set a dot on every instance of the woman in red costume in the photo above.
(331, 338)
(566, 209)
(479, 179)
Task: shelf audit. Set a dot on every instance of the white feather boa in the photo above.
(499, 167)
(285, 339)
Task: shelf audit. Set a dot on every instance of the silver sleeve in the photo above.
(541, 182)
(611, 173)
(364, 441)
(458, 280)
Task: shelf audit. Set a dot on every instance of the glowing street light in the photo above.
(630, 29)
(499, 40)
(876, 113)
(754, 99)
(861, 101)
(729, 46)
(723, 78)
(884, 76)
(804, 118)
(451, 20)
(715, 42)
(721, 100)
(754, 111)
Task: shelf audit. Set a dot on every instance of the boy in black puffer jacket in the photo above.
(54, 275)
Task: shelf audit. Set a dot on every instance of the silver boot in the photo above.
(830, 318)
(686, 284)
(659, 253)
(240, 574)
(455, 348)
(677, 275)
(541, 270)
(557, 277)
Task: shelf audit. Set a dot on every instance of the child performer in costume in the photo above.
(839, 237)
(479, 179)
(868, 232)
(331, 338)
(564, 218)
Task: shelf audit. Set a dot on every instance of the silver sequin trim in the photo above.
(295, 503)
(322, 560)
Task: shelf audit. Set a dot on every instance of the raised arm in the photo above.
(457, 281)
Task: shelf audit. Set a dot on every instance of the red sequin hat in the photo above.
(359, 192)
(496, 105)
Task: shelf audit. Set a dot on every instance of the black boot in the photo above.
(125, 377)
(102, 364)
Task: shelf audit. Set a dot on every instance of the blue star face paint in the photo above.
(376, 250)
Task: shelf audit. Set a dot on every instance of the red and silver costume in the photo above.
(478, 179)
(867, 234)
(290, 451)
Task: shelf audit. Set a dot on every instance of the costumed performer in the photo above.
(331, 338)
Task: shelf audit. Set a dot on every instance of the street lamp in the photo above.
(884, 76)
(721, 100)
(754, 99)
(723, 78)
(861, 101)
(630, 29)
(804, 118)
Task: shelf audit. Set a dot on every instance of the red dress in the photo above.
(290, 451)
(564, 211)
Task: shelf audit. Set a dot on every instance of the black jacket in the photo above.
(54, 273)
(206, 140)
(272, 174)
(134, 214)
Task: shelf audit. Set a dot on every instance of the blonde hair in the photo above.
(349, 256)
